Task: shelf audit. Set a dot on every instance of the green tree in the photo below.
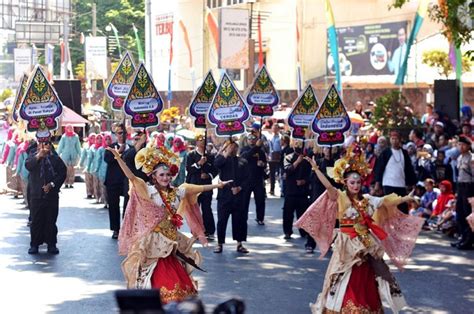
(5, 94)
(440, 60)
(122, 14)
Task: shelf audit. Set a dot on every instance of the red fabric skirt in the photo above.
(362, 295)
(171, 278)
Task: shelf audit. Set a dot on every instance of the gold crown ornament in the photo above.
(148, 158)
(353, 161)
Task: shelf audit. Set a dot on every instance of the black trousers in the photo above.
(463, 209)
(44, 214)
(292, 205)
(258, 190)
(403, 207)
(113, 197)
(204, 201)
(235, 207)
(274, 171)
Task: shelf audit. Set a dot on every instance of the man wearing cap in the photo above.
(200, 170)
(257, 162)
(393, 170)
(465, 189)
(47, 173)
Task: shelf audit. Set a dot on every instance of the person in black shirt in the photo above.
(115, 180)
(257, 162)
(47, 174)
(200, 171)
(230, 199)
(298, 172)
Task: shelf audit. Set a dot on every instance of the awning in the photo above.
(72, 118)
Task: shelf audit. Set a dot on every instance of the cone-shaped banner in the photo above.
(262, 95)
(143, 103)
(41, 106)
(202, 100)
(228, 110)
(19, 97)
(331, 120)
(120, 83)
(303, 113)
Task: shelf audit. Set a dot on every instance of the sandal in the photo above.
(218, 249)
(242, 249)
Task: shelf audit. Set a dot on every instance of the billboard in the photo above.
(23, 62)
(96, 57)
(375, 49)
(234, 38)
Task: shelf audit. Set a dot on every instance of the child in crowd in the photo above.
(447, 222)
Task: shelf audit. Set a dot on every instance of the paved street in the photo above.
(276, 277)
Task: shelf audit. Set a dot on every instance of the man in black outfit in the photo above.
(115, 181)
(257, 162)
(230, 199)
(393, 170)
(298, 172)
(47, 174)
(200, 171)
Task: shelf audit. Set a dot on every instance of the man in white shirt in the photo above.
(275, 156)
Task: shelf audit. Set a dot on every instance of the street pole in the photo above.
(94, 19)
(149, 31)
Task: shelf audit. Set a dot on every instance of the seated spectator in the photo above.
(445, 196)
(447, 221)
(428, 198)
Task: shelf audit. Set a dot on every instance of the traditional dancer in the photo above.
(357, 278)
(158, 255)
(69, 150)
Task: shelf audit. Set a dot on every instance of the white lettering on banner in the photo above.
(143, 105)
(202, 107)
(121, 89)
(302, 119)
(229, 113)
(328, 124)
(41, 109)
(262, 99)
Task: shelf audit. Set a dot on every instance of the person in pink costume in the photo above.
(86, 162)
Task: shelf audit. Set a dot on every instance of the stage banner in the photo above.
(228, 110)
(331, 120)
(201, 101)
(143, 103)
(302, 113)
(375, 49)
(262, 95)
(41, 106)
(119, 85)
(234, 38)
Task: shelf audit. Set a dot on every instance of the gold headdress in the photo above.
(148, 158)
(353, 161)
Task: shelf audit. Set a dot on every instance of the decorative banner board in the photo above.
(20, 93)
(262, 95)
(120, 83)
(228, 110)
(143, 102)
(202, 100)
(303, 113)
(41, 106)
(331, 120)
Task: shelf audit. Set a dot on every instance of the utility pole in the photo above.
(64, 65)
(148, 27)
(94, 19)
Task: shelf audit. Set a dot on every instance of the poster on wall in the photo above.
(233, 38)
(375, 49)
(96, 57)
(23, 62)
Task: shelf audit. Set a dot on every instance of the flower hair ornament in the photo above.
(148, 158)
(353, 161)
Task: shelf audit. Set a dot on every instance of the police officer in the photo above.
(200, 170)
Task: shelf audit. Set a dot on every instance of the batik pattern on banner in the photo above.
(202, 100)
(119, 85)
(19, 97)
(303, 113)
(262, 95)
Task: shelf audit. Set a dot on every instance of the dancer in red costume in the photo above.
(158, 255)
(357, 279)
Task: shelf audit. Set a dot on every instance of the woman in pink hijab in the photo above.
(69, 149)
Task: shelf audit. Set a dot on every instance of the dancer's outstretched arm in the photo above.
(128, 173)
(332, 191)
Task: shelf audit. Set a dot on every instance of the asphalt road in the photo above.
(276, 277)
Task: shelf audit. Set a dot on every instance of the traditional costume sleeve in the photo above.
(190, 209)
(319, 221)
(402, 230)
(141, 216)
